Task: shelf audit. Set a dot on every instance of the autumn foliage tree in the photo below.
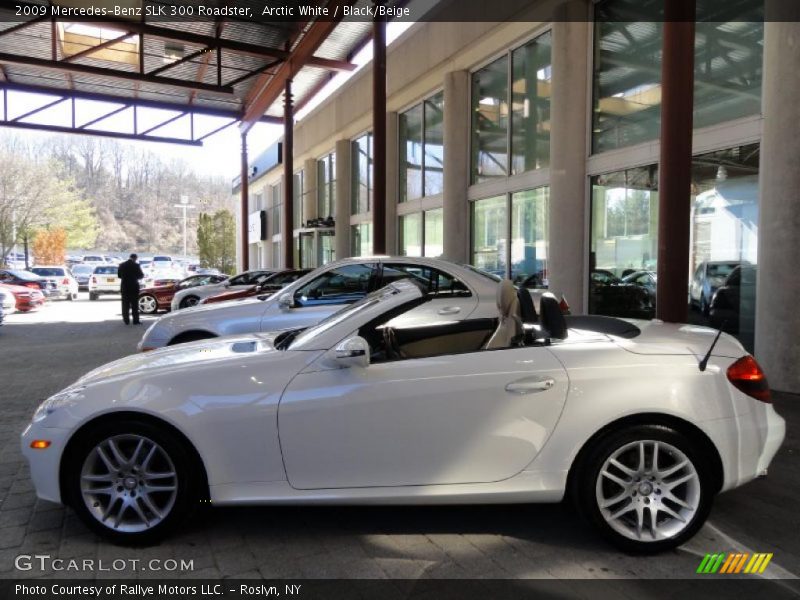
(49, 246)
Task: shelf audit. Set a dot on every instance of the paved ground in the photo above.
(42, 352)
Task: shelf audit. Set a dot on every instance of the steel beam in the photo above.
(267, 89)
(108, 134)
(41, 63)
(379, 136)
(675, 165)
(155, 104)
(287, 229)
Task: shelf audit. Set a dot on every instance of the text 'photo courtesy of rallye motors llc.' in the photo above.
(399, 299)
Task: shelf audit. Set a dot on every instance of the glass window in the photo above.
(627, 71)
(411, 154)
(277, 200)
(489, 229)
(434, 145)
(434, 281)
(530, 105)
(341, 285)
(411, 234)
(724, 239)
(276, 254)
(297, 200)
(422, 149)
(361, 239)
(490, 121)
(362, 175)
(529, 212)
(326, 186)
(433, 232)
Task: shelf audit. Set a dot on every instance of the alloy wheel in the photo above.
(648, 491)
(129, 483)
(147, 305)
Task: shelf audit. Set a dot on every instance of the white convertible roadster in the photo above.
(639, 423)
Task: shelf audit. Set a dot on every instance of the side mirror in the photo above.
(285, 301)
(353, 352)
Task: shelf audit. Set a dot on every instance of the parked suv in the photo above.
(104, 280)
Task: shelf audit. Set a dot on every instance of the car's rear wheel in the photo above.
(148, 304)
(189, 301)
(647, 488)
(130, 481)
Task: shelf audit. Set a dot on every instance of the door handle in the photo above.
(450, 310)
(530, 385)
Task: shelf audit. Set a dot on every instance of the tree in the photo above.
(216, 240)
(49, 246)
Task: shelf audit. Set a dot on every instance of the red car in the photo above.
(28, 298)
(270, 284)
(159, 297)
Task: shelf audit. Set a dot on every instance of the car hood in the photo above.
(180, 355)
(658, 337)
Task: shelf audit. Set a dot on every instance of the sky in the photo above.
(221, 153)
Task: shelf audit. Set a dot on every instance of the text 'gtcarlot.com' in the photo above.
(45, 562)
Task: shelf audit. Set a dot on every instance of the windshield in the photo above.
(48, 271)
(490, 276)
(106, 270)
(341, 315)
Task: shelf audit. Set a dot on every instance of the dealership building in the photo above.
(553, 152)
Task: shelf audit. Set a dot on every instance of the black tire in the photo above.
(92, 296)
(155, 304)
(191, 336)
(188, 483)
(584, 488)
(189, 301)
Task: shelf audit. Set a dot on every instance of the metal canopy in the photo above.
(195, 76)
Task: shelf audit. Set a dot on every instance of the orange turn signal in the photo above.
(40, 444)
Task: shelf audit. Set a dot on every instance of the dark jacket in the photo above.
(130, 273)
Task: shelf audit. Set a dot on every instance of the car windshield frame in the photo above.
(50, 271)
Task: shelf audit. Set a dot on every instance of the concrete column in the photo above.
(455, 208)
(309, 190)
(569, 212)
(392, 178)
(344, 183)
(777, 289)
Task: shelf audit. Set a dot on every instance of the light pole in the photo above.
(185, 206)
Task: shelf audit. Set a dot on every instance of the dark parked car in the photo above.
(271, 284)
(645, 280)
(708, 276)
(27, 279)
(733, 306)
(82, 274)
(611, 296)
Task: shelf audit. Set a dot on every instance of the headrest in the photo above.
(506, 295)
(552, 318)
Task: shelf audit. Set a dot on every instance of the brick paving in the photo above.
(41, 353)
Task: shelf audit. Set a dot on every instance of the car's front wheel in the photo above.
(148, 304)
(130, 481)
(647, 488)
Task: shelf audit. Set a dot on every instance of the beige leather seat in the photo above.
(510, 326)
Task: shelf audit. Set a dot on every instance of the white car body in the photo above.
(237, 282)
(304, 425)
(7, 301)
(104, 280)
(252, 314)
(66, 286)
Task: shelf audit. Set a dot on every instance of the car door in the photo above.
(464, 418)
(321, 296)
(452, 299)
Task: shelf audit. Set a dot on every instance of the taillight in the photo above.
(564, 305)
(32, 284)
(94, 279)
(746, 375)
(65, 281)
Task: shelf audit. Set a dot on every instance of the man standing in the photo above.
(130, 273)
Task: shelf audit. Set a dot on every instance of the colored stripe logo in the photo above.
(734, 562)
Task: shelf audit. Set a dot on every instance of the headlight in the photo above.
(55, 402)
